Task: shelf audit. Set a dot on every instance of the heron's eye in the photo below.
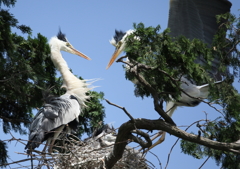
(119, 45)
(68, 44)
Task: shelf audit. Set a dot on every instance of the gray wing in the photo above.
(55, 113)
(197, 19)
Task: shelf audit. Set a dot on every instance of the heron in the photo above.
(98, 147)
(59, 112)
(192, 19)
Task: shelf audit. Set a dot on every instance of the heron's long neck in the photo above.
(62, 67)
(73, 85)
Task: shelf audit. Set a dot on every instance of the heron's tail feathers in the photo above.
(204, 89)
(35, 139)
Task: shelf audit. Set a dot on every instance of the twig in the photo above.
(204, 162)
(169, 154)
(157, 158)
(137, 131)
(16, 162)
(123, 108)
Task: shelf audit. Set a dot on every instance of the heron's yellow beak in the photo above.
(114, 56)
(76, 52)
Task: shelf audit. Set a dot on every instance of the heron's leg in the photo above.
(47, 143)
(67, 131)
(154, 137)
(55, 136)
(160, 140)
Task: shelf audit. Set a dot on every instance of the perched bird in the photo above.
(92, 152)
(119, 41)
(192, 19)
(59, 112)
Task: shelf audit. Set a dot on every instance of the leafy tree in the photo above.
(7, 3)
(155, 62)
(26, 73)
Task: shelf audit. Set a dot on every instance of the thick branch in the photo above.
(126, 128)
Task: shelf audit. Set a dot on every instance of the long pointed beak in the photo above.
(113, 58)
(76, 52)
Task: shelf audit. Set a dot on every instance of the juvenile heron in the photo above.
(63, 111)
(192, 19)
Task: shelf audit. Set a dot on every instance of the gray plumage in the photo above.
(56, 112)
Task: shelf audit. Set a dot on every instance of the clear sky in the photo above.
(89, 25)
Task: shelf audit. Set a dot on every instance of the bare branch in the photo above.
(204, 162)
(28, 159)
(123, 108)
(126, 128)
(178, 140)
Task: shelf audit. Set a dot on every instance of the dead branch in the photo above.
(204, 162)
(123, 108)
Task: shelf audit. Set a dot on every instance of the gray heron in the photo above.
(192, 19)
(59, 112)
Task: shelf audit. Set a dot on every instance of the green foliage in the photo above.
(161, 60)
(25, 65)
(191, 149)
(226, 128)
(3, 153)
(7, 3)
(166, 57)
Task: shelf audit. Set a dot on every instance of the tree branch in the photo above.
(126, 128)
(123, 108)
(139, 140)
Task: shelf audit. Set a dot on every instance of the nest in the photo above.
(91, 154)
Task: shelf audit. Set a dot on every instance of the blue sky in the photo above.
(89, 25)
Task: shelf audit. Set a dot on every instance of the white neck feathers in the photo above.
(72, 84)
